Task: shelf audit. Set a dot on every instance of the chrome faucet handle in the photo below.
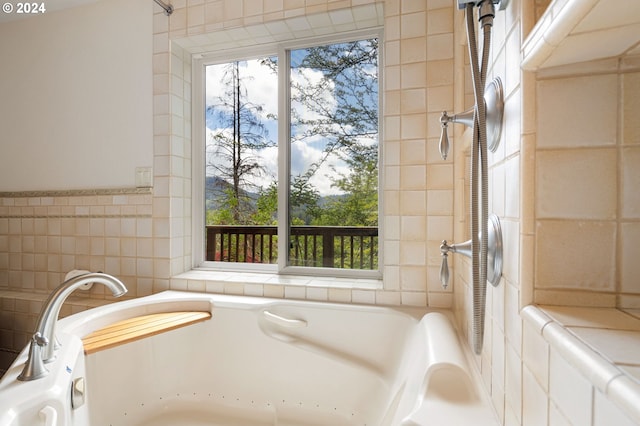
(444, 136)
(494, 106)
(445, 248)
(494, 253)
(39, 339)
(444, 268)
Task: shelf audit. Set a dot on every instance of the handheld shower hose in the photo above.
(479, 189)
(485, 246)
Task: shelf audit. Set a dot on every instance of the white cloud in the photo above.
(261, 84)
(303, 155)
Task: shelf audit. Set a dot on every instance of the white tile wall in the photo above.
(585, 171)
(577, 185)
(577, 111)
(411, 91)
(607, 413)
(535, 403)
(569, 390)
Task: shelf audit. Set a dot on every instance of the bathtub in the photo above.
(257, 361)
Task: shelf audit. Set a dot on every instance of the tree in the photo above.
(347, 125)
(359, 204)
(349, 73)
(231, 153)
(267, 206)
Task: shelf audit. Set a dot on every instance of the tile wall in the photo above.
(45, 235)
(587, 203)
(501, 360)
(560, 182)
(418, 84)
(146, 238)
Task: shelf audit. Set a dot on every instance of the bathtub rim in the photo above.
(176, 300)
(74, 327)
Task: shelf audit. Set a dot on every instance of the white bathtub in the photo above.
(256, 362)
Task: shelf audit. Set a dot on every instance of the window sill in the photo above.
(221, 281)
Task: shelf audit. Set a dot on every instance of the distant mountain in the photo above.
(215, 185)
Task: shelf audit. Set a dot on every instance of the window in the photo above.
(290, 157)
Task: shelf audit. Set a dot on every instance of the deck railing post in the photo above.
(327, 247)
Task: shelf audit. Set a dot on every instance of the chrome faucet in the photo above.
(42, 347)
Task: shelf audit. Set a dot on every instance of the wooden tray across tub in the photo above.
(137, 328)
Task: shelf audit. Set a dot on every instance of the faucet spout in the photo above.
(43, 342)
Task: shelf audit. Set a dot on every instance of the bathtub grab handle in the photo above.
(49, 415)
(285, 322)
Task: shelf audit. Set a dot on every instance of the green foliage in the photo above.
(224, 215)
(359, 204)
(303, 201)
(267, 206)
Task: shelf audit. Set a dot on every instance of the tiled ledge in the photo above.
(602, 343)
(301, 287)
(272, 278)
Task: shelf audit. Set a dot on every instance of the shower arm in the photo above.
(168, 9)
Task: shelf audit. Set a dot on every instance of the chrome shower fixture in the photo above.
(502, 4)
(486, 120)
(494, 106)
(168, 8)
(494, 253)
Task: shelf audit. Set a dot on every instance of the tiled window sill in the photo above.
(214, 277)
(602, 343)
(281, 286)
(355, 290)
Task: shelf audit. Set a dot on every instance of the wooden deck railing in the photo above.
(349, 247)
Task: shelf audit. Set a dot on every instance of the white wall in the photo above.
(76, 97)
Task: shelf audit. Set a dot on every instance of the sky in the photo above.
(261, 87)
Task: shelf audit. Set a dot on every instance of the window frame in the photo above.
(281, 50)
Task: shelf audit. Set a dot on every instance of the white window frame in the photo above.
(200, 61)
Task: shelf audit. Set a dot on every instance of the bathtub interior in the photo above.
(330, 370)
(269, 362)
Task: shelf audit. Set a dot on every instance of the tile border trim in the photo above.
(600, 372)
(79, 192)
